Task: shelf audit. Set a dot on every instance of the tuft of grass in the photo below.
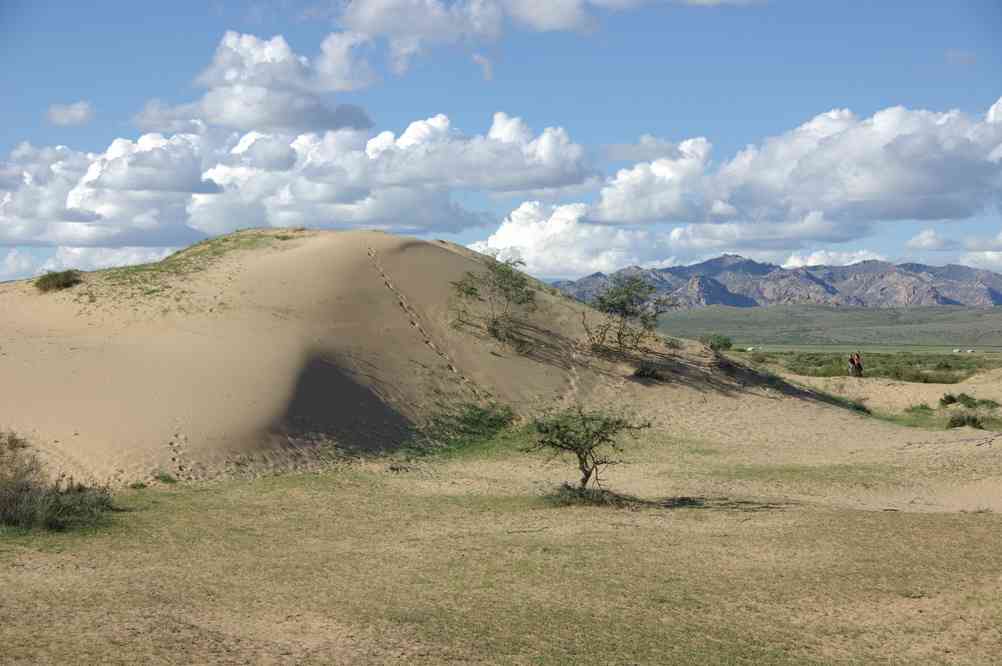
(157, 278)
(647, 370)
(922, 408)
(137, 485)
(165, 477)
(961, 419)
(968, 401)
(460, 427)
(57, 281)
(28, 500)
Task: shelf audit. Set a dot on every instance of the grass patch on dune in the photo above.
(30, 500)
(154, 279)
(953, 411)
(58, 281)
(467, 429)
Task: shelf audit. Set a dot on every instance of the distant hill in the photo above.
(736, 281)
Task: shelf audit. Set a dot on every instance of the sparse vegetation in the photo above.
(457, 427)
(160, 278)
(57, 281)
(717, 342)
(922, 408)
(630, 316)
(165, 477)
(28, 499)
(591, 437)
(968, 401)
(647, 370)
(863, 329)
(508, 292)
(902, 366)
(961, 419)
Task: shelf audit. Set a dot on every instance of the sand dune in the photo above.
(322, 335)
(248, 351)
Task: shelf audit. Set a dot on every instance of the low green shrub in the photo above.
(55, 281)
(647, 370)
(968, 401)
(961, 419)
(717, 342)
(28, 499)
(165, 477)
(460, 425)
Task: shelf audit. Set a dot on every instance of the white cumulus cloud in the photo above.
(928, 239)
(262, 84)
(831, 258)
(898, 164)
(554, 241)
(77, 113)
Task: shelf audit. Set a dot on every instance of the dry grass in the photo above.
(468, 559)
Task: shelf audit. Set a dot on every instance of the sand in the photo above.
(266, 352)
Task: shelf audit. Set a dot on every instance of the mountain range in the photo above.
(740, 282)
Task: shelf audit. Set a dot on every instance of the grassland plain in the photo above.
(758, 521)
(807, 326)
(465, 558)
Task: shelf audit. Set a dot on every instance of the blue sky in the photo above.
(245, 130)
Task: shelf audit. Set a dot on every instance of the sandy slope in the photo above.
(894, 396)
(348, 337)
(342, 335)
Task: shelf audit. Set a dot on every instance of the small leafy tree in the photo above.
(631, 313)
(717, 342)
(591, 437)
(506, 290)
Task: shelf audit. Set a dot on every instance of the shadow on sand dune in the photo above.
(328, 404)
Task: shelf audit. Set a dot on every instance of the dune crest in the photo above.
(263, 342)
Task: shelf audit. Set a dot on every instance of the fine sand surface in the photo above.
(348, 337)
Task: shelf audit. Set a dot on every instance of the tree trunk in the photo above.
(586, 473)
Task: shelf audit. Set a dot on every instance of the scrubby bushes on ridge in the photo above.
(55, 281)
(717, 342)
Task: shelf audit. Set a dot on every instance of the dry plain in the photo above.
(274, 374)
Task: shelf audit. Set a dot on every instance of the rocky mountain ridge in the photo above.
(740, 282)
